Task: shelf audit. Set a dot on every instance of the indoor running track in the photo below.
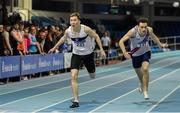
(115, 89)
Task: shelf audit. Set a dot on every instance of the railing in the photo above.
(172, 41)
(113, 56)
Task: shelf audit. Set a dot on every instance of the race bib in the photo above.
(80, 43)
(142, 44)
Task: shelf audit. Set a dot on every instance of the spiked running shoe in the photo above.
(74, 105)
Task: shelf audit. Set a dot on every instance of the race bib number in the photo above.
(142, 44)
(81, 43)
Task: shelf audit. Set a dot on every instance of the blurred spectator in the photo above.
(1, 41)
(41, 39)
(7, 45)
(20, 46)
(4, 40)
(26, 40)
(34, 46)
(106, 42)
(50, 40)
(16, 39)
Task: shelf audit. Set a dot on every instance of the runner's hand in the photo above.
(127, 55)
(164, 45)
(103, 54)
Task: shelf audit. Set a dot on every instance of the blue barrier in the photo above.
(10, 66)
(57, 61)
(29, 64)
(23, 65)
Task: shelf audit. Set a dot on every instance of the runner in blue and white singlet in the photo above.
(82, 38)
(140, 51)
(139, 44)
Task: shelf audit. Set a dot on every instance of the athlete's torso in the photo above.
(82, 43)
(140, 42)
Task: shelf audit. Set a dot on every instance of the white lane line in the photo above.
(69, 77)
(162, 99)
(84, 94)
(61, 80)
(86, 82)
(131, 91)
(105, 77)
(101, 88)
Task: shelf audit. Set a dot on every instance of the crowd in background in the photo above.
(20, 39)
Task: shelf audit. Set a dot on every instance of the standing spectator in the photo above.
(34, 46)
(15, 38)
(50, 40)
(1, 41)
(106, 42)
(7, 45)
(41, 39)
(26, 40)
(20, 46)
(1, 48)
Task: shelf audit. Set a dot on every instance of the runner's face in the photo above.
(142, 28)
(74, 21)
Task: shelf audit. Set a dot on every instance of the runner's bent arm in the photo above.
(61, 41)
(126, 37)
(155, 38)
(92, 34)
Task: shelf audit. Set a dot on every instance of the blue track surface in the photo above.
(115, 89)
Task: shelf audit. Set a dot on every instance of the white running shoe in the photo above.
(146, 97)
